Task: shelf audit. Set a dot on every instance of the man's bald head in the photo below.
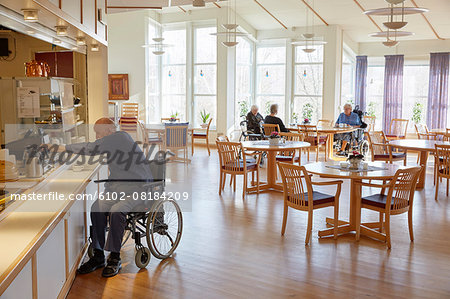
(104, 127)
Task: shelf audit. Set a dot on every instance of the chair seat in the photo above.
(375, 200)
(394, 156)
(154, 140)
(200, 134)
(395, 136)
(281, 158)
(250, 166)
(319, 198)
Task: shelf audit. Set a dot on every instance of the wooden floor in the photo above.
(233, 249)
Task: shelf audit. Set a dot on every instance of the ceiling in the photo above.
(345, 13)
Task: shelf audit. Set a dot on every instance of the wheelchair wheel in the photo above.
(90, 251)
(164, 228)
(364, 147)
(142, 257)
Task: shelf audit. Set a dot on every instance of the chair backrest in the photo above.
(130, 110)
(269, 128)
(398, 127)
(370, 121)
(222, 138)
(442, 159)
(403, 186)
(290, 137)
(296, 182)
(209, 125)
(310, 133)
(325, 122)
(377, 142)
(176, 135)
(132, 126)
(422, 132)
(229, 155)
(447, 135)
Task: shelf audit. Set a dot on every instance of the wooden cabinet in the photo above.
(61, 63)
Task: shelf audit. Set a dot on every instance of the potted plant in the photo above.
(306, 121)
(294, 117)
(307, 112)
(355, 160)
(205, 117)
(173, 117)
(243, 108)
(274, 138)
(417, 113)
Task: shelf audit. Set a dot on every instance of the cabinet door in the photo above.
(21, 287)
(75, 232)
(64, 64)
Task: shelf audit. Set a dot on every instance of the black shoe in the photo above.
(112, 267)
(342, 153)
(91, 265)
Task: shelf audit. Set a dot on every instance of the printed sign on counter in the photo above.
(28, 104)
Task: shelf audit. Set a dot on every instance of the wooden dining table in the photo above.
(424, 147)
(330, 131)
(382, 171)
(272, 150)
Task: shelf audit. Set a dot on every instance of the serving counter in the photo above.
(43, 241)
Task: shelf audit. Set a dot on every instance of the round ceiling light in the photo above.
(308, 42)
(308, 50)
(396, 11)
(230, 44)
(395, 2)
(390, 43)
(230, 33)
(230, 26)
(308, 35)
(391, 33)
(159, 52)
(395, 25)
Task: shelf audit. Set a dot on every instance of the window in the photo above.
(415, 92)
(375, 92)
(205, 78)
(308, 84)
(174, 75)
(244, 77)
(271, 76)
(348, 80)
(152, 75)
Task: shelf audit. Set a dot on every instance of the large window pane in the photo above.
(308, 79)
(205, 79)
(204, 103)
(415, 94)
(174, 79)
(375, 91)
(176, 53)
(244, 77)
(271, 79)
(173, 104)
(271, 55)
(205, 47)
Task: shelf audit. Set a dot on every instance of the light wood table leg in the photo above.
(271, 184)
(423, 162)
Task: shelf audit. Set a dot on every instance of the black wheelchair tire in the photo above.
(90, 251)
(142, 257)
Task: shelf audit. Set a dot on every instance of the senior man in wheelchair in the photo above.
(350, 118)
(128, 169)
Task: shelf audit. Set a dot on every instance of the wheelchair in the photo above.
(249, 134)
(161, 223)
(357, 143)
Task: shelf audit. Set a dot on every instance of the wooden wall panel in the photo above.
(73, 8)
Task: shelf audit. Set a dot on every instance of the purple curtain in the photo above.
(361, 82)
(393, 89)
(438, 90)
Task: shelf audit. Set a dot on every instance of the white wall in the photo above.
(412, 49)
(127, 33)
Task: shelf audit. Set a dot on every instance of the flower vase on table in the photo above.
(355, 160)
(274, 138)
(306, 121)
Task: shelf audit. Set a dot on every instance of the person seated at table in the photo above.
(350, 118)
(273, 119)
(253, 120)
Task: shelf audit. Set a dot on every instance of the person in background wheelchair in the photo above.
(129, 171)
(350, 118)
(254, 119)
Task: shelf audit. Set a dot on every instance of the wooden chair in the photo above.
(289, 156)
(311, 135)
(134, 127)
(230, 163)
(130, 110)
(423, 132)
(398, 200)
(325, 123)
(176, 139)
(370, 121)
(222, 138)
(442, 165)
(202, 135)
(270, 128)
(302, 197)
(381, 150)
(447, 135)
(163, 119)
(397, 129)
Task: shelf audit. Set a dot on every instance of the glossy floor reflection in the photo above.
(233, 248)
